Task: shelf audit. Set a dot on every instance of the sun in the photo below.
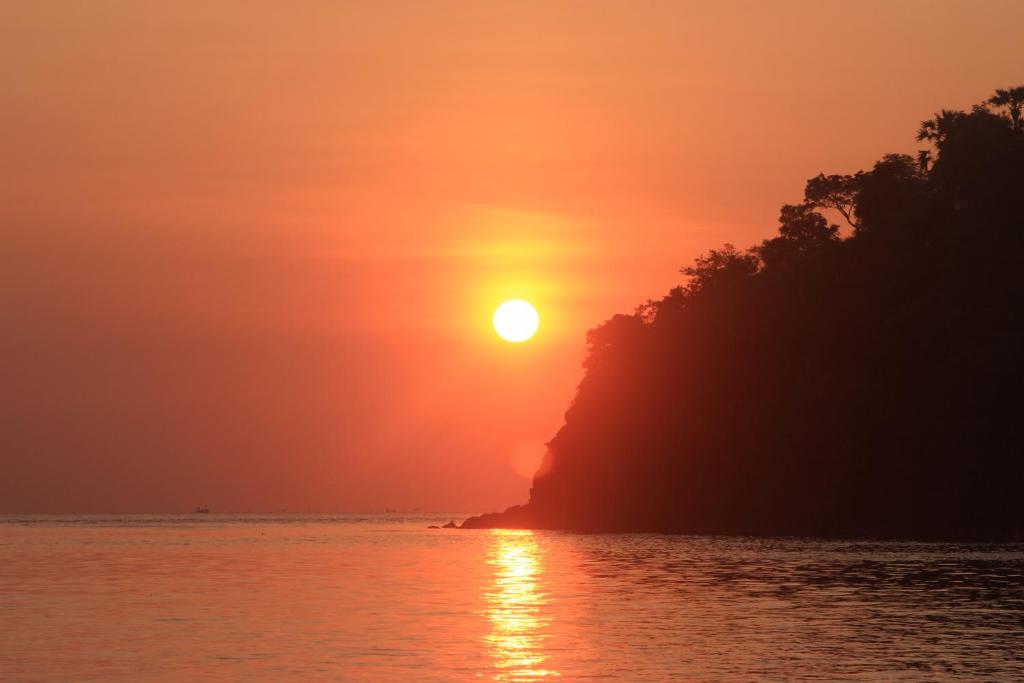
(516, 320)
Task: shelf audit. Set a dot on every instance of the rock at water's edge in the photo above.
(516, 517)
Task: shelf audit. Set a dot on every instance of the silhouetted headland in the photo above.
(864, 378)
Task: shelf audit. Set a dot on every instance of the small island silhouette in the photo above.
(863, 377)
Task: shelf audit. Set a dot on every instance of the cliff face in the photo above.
(867, 380)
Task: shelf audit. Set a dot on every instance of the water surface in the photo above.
(352, 598)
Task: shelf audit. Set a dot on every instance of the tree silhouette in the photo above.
(1012, 99)
(937, 129)
(837, 192)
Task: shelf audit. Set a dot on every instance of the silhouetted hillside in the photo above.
(857, 379)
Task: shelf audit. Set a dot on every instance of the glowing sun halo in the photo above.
(516, 320)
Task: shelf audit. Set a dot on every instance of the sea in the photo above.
(209, 597)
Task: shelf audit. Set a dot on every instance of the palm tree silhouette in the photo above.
(1012, 99)
(937, 129)
(924, 159)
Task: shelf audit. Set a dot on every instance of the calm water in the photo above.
(211, 597)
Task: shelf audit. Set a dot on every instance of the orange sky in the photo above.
(250, 250)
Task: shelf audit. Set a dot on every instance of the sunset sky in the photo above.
(250, 250)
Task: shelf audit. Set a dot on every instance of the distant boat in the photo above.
(203, 510)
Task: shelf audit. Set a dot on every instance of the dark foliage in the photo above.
(871, 385)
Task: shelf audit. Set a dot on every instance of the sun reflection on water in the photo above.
(516, 607)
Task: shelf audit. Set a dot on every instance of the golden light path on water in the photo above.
(516, 607)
